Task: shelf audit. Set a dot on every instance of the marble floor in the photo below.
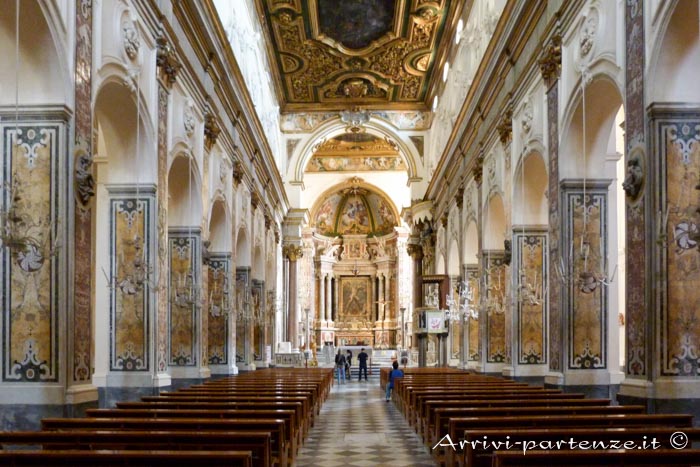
(357, 427)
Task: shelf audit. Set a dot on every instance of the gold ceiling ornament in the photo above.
(377, 52)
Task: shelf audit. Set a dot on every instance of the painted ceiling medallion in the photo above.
(379, 53)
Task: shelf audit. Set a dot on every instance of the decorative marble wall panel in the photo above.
(677, 138)
(131, 245)
(585, 235)
(218, 342)
(184, 246)
(258, 303)
(495, 307)
(530, 271)
(242, 296)
(473, 324)
(32, 160)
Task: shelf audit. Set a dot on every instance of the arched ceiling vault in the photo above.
(354, 207)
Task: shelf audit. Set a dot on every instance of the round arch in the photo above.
(675, 56)
(471, 244)
(219, 226)
(335, 127)
(495, 223)
(530, 184)
(603, 101)
(242, 248)
(453, 263)
(185, 200)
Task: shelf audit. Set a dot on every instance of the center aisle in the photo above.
(357, 427)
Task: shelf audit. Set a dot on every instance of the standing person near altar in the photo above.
(340, 366)
(348, 363)
(362, 358)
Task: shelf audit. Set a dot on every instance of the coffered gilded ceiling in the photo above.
(331, 54)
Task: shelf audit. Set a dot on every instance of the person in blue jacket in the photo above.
(395, 373)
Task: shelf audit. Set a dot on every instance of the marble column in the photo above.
(639, 279)
(322, 297)
(292, 253)
(79, 387)
(329, 297)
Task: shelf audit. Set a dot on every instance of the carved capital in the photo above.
(268, 220)
(254, 200)
(415, 251)
(237, 174)
(292, 252)
(277, 237)
(443, 220)
(211, 129)
(167, 61)
(478, 170)
(550, 60)
(505, 126)
(459, 197)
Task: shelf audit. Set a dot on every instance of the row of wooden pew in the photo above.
(254, 419)
(461, 417)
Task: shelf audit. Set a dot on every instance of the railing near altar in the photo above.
(289, 360)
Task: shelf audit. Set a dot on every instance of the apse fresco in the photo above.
(361, 212)
(680, 338)
(183, 280)
(30, 318)
(531, 248)
(325, 216)
(384, 221)
(587, 295)
(218, 342)
(354, 217)
(129, 252)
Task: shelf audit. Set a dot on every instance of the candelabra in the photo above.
(219, 299)
(494, 291)
(24, 236)
(187, 293)
(137, 275)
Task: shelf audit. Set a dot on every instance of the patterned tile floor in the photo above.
(357, 427)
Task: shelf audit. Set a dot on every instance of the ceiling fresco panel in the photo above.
(331, 54)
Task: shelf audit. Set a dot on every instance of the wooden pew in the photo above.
(627, 458)
(276, 427)
(478, 448)
(80, 458)
(257, 442)
(291, 423)
(420, 409)
(296, 406)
